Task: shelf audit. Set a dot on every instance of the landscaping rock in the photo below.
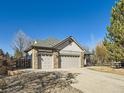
(1, 91)
(39, 82)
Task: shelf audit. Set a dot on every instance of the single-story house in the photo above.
(52, 53)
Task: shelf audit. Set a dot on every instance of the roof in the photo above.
(87, 52)
(69, 38)
(50, 43)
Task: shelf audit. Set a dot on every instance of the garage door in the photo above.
(69, 61)
(46, 61)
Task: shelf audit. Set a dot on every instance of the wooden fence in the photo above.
(23, 63)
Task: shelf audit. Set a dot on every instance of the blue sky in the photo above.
(86, 20)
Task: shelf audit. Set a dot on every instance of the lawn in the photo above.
(108, 69)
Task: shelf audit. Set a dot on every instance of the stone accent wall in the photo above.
(55, 60)
(81, 59)
(34, 59)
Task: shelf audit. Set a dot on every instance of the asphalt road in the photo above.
(90, 81)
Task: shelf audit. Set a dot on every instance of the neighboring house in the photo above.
(52, 53)
(88, 61)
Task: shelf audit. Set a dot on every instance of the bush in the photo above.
(3, 70)
(2, 83)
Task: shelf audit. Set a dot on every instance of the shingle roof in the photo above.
(49, 42)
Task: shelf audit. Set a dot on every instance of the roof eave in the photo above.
(39, 47)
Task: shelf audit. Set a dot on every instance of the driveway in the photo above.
(90, 81)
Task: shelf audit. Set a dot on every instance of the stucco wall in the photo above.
(72, 47)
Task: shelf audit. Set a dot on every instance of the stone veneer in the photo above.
(55, 60)
(81, 59)
(34, 59)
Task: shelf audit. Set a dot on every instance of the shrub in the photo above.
(3, 70)
(2, 83)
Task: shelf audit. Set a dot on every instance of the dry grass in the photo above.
(108, 70)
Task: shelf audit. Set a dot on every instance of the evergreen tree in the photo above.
(7, 56)
(1, 52)
(114, 40)
(18, 54)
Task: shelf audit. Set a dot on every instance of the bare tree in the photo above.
(101, 53)
(20, 43)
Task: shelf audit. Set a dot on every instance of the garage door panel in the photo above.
(46, 61)
(69, 61)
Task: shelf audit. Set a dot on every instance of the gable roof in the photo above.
(70, 38)
(51, 43)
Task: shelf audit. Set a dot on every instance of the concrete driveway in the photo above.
(90, 81)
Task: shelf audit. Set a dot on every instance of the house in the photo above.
(52, 53)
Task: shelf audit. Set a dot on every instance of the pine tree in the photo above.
(114, 40)
(18, 54)
(7, 56)
(1, 52)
